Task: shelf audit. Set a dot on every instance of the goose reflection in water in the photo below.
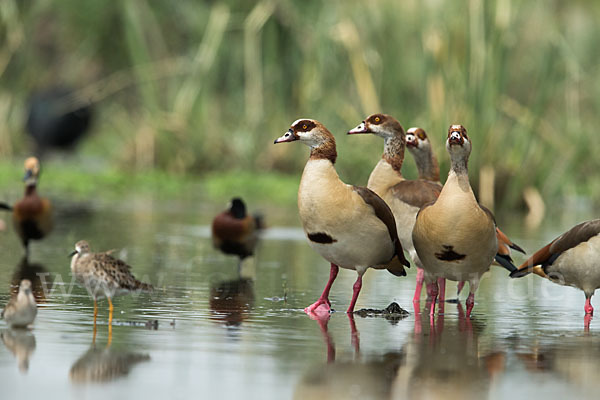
(349, 379)
(442, 362)
(21, 343)
(575, 360)
(231, 301)
(37, 274)
(104, 364)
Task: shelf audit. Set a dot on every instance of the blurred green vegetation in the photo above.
(202, 88)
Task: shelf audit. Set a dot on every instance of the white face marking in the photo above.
(455, 135)
(410, 137)
(298, 120)
(360, 128)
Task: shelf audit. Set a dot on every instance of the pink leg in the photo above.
(586, 322)
(442, 286)
(470, 303)
(418, 326)
(432, 293)
(356, 290)
(324, 299)
(461, 284)
(588, 305)
(420, 279)
(354, 335)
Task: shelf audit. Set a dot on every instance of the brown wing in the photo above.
(383, 212)
(573, 237)
(418, 192)
(578, 234)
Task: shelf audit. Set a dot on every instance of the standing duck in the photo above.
(235, 232)
(350, 226)
(571, 259)
(32, 215)
(405, 197)
(419, 146)
(455, 237)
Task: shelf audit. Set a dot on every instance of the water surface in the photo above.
(207, 331)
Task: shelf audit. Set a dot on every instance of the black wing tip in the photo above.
(517, 248)
(519, 273)
(506, 262)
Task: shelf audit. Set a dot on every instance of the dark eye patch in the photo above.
(375, 119)
(304, 126)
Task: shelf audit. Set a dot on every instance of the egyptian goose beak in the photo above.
(289, 136)
(411, 140)
(457, 135)
(361, 128)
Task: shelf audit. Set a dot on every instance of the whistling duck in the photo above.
(235, 232)
(350, 226)
(419, 146)
(405, 197)
(102, 275)
(32, 215)
(571, 259)
(455, 237)
(21, 309)
(56, 119)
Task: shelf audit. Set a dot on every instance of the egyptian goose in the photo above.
(235, 232)
(455, 237)
(350, 226)
(102, 275)
(32, 215)
(419, 146)
(571, 259)
(405, 197)
(21, 309)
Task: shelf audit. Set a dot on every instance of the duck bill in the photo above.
(361, 128)
(287, 137)
(455, 138)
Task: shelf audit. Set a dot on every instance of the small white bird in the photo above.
(22, 309)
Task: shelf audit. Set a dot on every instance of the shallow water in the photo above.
(231, 337)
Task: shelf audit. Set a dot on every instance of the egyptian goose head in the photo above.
(419, 146)
(313, 134)
(388, 128)
(458, 146)
(32, 171)
(382, 125)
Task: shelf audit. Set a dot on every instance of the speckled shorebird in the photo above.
(350, 226)
(571, 259)
(21, 309)
(32, 215)
(103, 276)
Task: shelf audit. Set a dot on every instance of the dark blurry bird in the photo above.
(236, 232)
(32, 215)
(103, 276)
(56, 120)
